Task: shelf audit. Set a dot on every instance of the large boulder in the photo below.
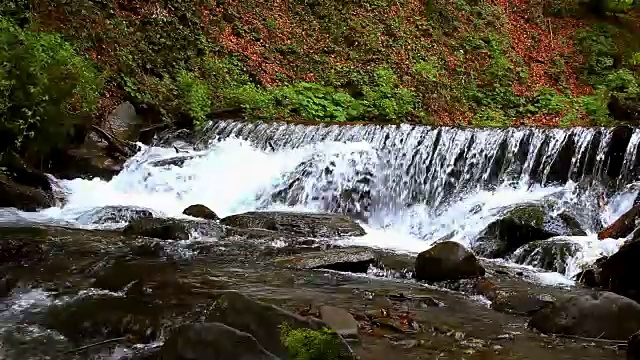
(602, 315)
(124, 123)
(619, 272)
(209, 341)
(520, 225)
(23, 197)
(447, 260)
(623, 226)
(200, 211)
(263, 321)
(296, 224)
(551, 254)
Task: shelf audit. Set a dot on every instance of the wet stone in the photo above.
(208, 341)
(447, 260)
(200, 211)
(297, 224)
(114, 214)
(105, 316)
(551, 254)
(602, 315)
(340, 321)
(263, 321)
(354, 260)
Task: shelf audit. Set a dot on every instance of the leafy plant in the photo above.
(307, 344)
(47, 90)
(195, 95)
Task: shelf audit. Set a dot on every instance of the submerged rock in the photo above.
(114, 214)
(200, 211)
(297, 224)
(172, 229)
(105, 316)
(208, 341)
(602, 315)
(263, 321)
(22, 245)
(23, 197)
(551, 254)
(447, 260)
(517, 302)
(354, 260)
(339, 320)
(623, 226)
(521, 225)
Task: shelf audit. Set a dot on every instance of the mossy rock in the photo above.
(551, 254)
(520, 225)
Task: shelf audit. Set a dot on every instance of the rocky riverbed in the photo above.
(78, 294)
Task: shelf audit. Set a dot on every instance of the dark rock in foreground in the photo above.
(200, 211)
(354, 260)
(23, 197)
(210, 341)
(619, 272)
(105, 316)
(262, 321)
(602, 315)
(551, 254)
(340, 321)
(521, 225)
(623, 226)
(447, 260)
(297, 224)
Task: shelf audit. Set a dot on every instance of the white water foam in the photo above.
(232, 177)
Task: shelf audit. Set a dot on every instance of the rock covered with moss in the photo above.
(519, 225)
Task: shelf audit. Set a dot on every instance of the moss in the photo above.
(307, 344)
(529, 214)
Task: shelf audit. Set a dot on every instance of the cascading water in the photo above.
(411, 185)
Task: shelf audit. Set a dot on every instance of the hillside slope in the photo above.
(495, 62)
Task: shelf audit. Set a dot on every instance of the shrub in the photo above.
(46, 89)
(195, 95)
(307, 344)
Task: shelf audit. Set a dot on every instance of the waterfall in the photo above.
(409, 185)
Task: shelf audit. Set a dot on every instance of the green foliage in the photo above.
(317, 102)
(490, 118)
(46, 89)
(195, 95)
(307, 344)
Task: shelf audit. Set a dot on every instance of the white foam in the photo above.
(233, 177)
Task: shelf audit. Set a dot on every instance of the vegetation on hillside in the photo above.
(472, 62)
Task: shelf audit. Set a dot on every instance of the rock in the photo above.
(297, 224)
(354, 260)
(447, 260)
(21, 245)
(172, 229)
(551, 254)
(23, 197)
(177, 161)
(7, 284)
(520, 225)
(105, 316)
(210, 341)
(340, 321)
(515, 302)
(396, 265)
(117, 275)
(114, 214)
(200, 211)
(623, 226)
(263, 321)
(633, 347)
(89, 161)
(123, 122)
(619, 272)
(164, 229)
(602, 315)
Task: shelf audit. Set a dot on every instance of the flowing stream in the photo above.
(409, 185)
